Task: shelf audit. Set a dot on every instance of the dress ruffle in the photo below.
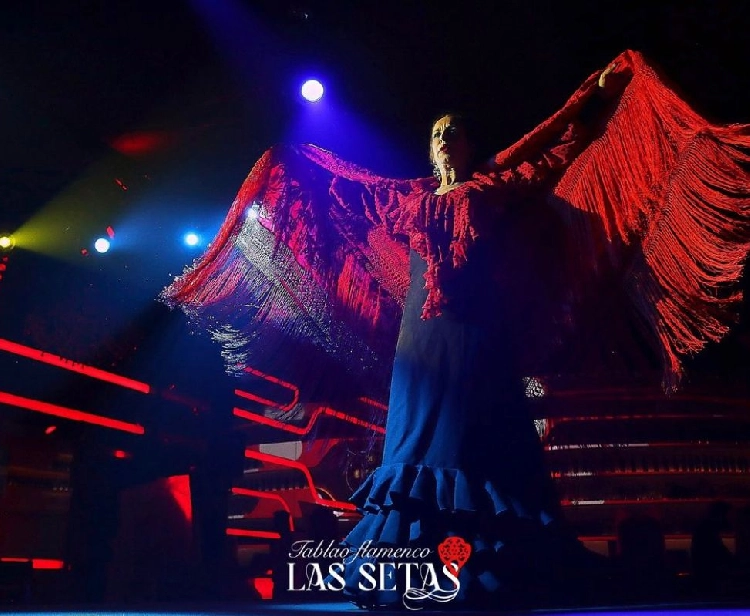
(404, 505)
(437, 489)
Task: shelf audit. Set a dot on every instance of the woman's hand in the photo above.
(607, 71)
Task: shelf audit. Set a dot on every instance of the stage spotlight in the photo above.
(253, 211)
(7, 242)
(192, 239)
(101, 245)
(312, 90)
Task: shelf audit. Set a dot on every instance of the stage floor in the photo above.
(270, 608)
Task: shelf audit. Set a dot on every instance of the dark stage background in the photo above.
(145, 117)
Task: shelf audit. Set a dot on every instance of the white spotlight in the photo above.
(101, 245)
(7, 243)
(192, 239)
(312, 90)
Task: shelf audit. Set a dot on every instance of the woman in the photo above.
(462, 455)
(337, 255)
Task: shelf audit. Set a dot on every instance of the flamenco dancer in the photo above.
(422, 276)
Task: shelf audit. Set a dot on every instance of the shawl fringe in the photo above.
(658, 193)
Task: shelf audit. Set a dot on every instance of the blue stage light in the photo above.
(102, 245)
(192, 239)
(312, 90)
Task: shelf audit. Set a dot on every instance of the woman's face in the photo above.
(449, 145)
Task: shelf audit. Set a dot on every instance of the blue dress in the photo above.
(462, 455)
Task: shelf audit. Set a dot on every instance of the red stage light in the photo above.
(36, 563)
(267, 495)
(179, 488)
(142, 142)
(303, 430)
(264, 587)
(256, 534)
(275, 423)
(354, 420)
(265, 457)
(49, 430)
(66, 364)
(66, 413)
(276, 381)
(375, 403)
(46, 563)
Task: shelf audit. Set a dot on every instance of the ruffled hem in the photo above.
(519, 561)
(516, 548)
(485, 577)
(405, 487)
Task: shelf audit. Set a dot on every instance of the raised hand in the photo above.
(607, 71)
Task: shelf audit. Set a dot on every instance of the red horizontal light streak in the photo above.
(257, 534)
(264, 401)
(303, 430)
(273, 423)
(72, 366)
(375, 403)
(37, 563)
(66, 413)
(265, 457)
(46, 563)
(269, 496)
(276, 381)
(353, 420)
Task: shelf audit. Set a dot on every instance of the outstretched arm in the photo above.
(563, 139)
(676, 189)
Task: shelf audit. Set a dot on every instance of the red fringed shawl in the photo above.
(326, 260)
